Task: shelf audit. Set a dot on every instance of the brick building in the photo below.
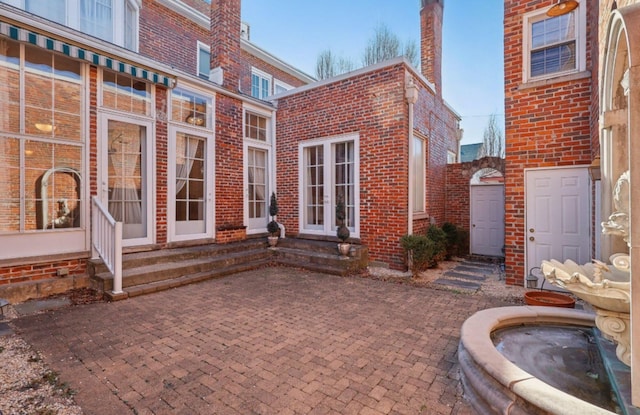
(181, 128)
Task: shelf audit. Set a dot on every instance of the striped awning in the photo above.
(25, 35)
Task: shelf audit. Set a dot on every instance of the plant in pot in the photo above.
(272, 227)
(343, 232)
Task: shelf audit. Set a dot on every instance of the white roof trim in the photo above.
(187, 11)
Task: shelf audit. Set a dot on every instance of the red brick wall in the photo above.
(431, 41)
(547, 125)
(229, 164)
(373, 105)
(171, 38)
(457, 196)
(225, 40)
(161, 146)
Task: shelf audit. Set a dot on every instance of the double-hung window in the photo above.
(260, 84)
(115, 21)
(554, 46)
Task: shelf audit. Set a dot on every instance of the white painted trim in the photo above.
(188, 12)
(329, 182)
(581, 43)
(274, 61)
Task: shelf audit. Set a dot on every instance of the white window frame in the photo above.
(581, 43)
(419, 177)
(207, 48)
(262, 75)
(72, 13)
(278, 83)
(452, 157)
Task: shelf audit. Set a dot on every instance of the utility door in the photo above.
(557, 217)
(487, 219)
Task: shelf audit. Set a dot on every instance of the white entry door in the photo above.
(557, 217)
(258, 195)
(487, 220)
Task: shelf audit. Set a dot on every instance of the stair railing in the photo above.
(106, 241)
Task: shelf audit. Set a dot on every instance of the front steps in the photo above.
(152, 271)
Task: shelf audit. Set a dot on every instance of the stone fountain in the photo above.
(606, 287)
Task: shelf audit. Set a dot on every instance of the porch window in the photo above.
(188, 107)
(124, 93)
(41, 140)
(554, 45)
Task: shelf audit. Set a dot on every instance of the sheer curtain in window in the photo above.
(96, 18)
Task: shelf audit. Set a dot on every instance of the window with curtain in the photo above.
(115, 21)
(41, 141)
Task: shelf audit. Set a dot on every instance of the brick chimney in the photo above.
(225, 43)
(431, 41)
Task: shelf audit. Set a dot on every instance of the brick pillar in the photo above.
(225, 41)
(431, 41)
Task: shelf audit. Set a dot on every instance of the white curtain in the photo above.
(186, 148)
(257, 179)
(124, 202)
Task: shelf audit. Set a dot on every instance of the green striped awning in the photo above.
(24, 35)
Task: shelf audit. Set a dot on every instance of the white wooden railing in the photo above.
(106, 241)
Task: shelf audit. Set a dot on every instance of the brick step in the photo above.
(150, 273)
(327, 247)
(137, 259)
(166, 284)
(333, 260)
(314, 266)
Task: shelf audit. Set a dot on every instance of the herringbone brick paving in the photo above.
(269, 341)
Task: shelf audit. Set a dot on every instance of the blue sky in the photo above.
(472, 73)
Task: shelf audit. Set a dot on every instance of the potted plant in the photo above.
(342, 232)
(272, 227)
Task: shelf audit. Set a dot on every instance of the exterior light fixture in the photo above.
(562, 7)
(532, 279)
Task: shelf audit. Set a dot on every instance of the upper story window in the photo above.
(260, 84)
(204, 60)
(451, 157)
(554, 46)
(115, 21)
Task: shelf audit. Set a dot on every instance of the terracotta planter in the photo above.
(273, 240)
(549, 299)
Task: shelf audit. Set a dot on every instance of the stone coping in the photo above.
(476, 341)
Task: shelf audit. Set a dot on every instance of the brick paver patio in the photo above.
(270, 341)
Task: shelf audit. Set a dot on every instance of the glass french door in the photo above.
(329, 174)
(258, 196)
(128, 178)
(192, 187)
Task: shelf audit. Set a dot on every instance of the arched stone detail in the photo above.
(470, 168)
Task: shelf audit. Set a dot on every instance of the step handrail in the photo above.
(106, 241)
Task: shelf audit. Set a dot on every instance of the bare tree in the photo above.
(382, 46)
(329, 65)
(493, 139)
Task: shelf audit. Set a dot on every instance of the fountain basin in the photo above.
(495, 385)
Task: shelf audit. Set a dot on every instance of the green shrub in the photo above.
(451, 233)
(438, 236)
(422, 252)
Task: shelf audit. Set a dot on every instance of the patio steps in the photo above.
(153, 271)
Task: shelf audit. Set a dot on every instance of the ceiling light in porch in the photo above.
(44, 127)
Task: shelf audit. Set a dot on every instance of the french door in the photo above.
(330, 171)
(127, 171)
(190, 201)
(257, 193)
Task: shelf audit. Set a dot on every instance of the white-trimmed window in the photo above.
(189, 107)
(204, 60)
(279, 86)
(115, 21)
(418, 169)
(451, 157)
(256, 127)
(554, 46)
(260, 84)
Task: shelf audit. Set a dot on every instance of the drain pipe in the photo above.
(411, 95)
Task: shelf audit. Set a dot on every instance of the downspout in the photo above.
(411, 95)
